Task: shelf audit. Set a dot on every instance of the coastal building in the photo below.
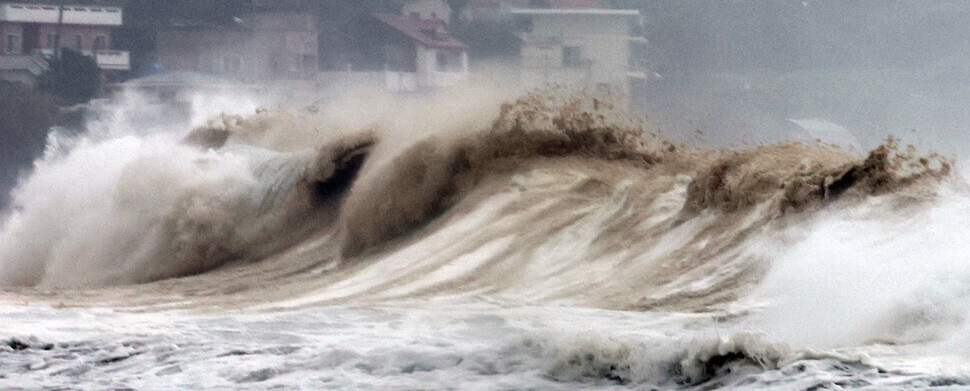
(410, 51)
(419, 52)
(583, 47)
(259, 47)
(31, 33)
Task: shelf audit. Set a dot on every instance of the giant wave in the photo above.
(551, 198)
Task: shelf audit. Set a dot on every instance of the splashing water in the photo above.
(468, 241)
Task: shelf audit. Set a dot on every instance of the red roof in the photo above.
(428, 32)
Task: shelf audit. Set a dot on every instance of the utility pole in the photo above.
(57, 33)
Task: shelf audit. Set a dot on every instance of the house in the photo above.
(410, 51)
(34, 31)
(584, 47)
(420, 53)
(259, 47)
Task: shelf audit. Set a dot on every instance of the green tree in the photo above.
(73, 77)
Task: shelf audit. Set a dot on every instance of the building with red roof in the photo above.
(415, 49)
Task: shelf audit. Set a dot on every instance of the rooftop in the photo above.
(428, 32)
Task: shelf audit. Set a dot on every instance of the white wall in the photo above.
(43, 13)
(602, 39)
(427, 65)
(429, 76)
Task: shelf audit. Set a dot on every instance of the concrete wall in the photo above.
(69, 34)
(49, 13)
(602, 42)
(427, 64)
(430, 75)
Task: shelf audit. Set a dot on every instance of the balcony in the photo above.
(43, 13)
(33, 64)
(108, 60)
(112, 60)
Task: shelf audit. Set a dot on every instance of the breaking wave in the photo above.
(549, 198)
(552, 171)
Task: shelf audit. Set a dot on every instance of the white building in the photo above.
(586, 48)
(39, 30)
(421, 54)
(410, 51)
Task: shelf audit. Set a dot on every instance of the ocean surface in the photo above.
(474, 241)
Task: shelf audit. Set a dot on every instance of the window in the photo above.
(52, 41)
(572, 57)
(100, 42)
(13, 44)
(78, 42)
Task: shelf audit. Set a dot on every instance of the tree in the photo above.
(73, 77)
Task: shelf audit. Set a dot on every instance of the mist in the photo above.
(736, 72)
